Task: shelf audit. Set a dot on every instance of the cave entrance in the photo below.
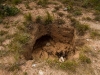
(42, 41)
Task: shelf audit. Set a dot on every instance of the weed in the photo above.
(67, 65)
(3, 53)
(43, 3)
(2, 32)
(60, 14)
(22, 38)
(86, 49)
(27, 6)
(87, 18)
(2, 39)
(38, 19)
(28, 21)
(28, 17)
(97, 15)
(60, 21)
(15, 47)
(48, 19)
(97, 18)
(1, 20)
(77, 13)
(9, 36)
(13, 67)
(16, 1)
(25, 73)
(57, 7)
(94, 34)
(81, 28)
(84, 59)
(7, 10)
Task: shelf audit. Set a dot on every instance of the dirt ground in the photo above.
(34, 67)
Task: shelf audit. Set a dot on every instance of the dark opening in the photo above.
(42, 41)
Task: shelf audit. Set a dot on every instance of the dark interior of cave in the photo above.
(40, 42)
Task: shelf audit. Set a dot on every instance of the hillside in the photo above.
(49, 37)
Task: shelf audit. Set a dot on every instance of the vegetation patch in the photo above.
(28, 21)
(67, 65)
(3, 53)
(2, 32)
(43, 3)
(13, 67)
(81, 28)
(60, 21)
(84, 59)
(6, 10)
(48, 19)
(77, 13)
(95, 34)
(22, 38)
(38, 19)
(15, 1)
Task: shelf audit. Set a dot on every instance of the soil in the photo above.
(51, 42)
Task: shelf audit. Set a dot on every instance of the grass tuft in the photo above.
(84, 59)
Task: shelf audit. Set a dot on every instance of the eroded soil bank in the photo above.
(49, 41)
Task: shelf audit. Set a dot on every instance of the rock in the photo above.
(41, 72)
(88, 39)
(34, 65)
(48, 44)
(61, 59)
(65, 9)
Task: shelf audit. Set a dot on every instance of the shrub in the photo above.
(2, 39)
(97, 15)
(57, 7)
(9, 36)
(15, 47)
(6, 10)
(16, 1)
(60, 14)
(28, 17)
(3, 53)
(38, 19)
(1, 1)
(94, 34)
(84, 59)
(13, 67)
(27, 6)
(77, 13)
(25, 73)
(60, 21)
(2, 32)
(22, 38)
(43, 2)
(67, 65)
(87, 18)
(28, 22)
(81, 28)
(97, 18)
(48, 19)
(22, 28)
